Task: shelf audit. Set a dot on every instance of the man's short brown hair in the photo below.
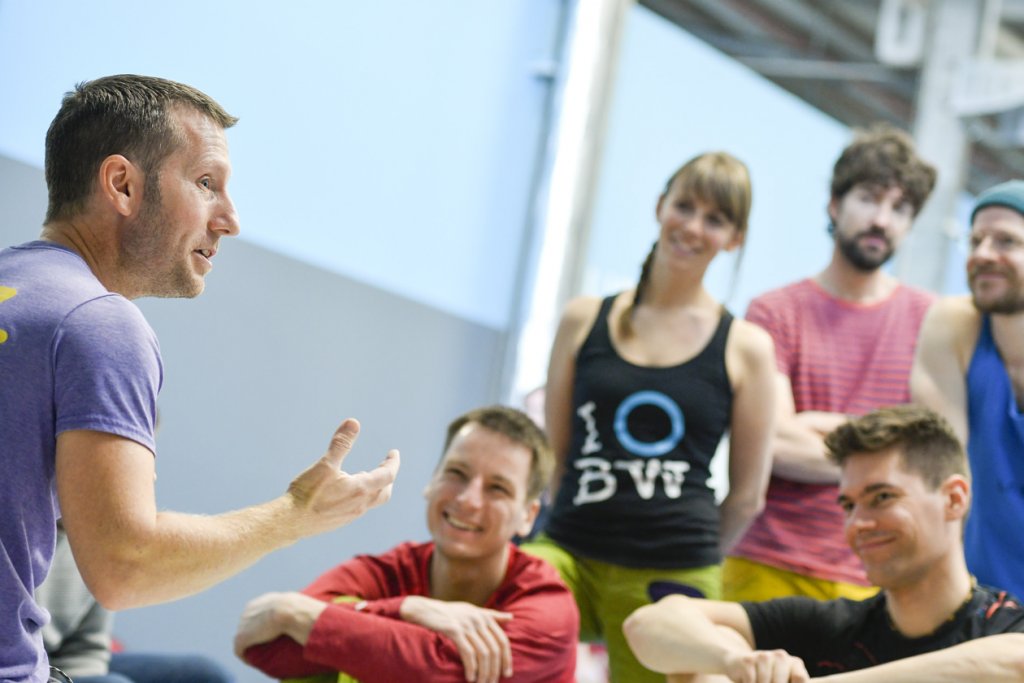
(884, 155)
(127, 115)
(925, 441)
(517, 426)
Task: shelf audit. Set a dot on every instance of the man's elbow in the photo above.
(118, 584)
(114, 595)
(642, 629)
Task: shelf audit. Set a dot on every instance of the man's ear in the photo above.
(833, 209)
(120, 184)
(530, 516)
(957, 491)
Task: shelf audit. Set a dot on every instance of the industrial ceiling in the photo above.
(824, 51)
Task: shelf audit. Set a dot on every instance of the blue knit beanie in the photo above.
(1009, 194)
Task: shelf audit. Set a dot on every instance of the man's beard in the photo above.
(863, 261)
(147, 255)
(1008, 303)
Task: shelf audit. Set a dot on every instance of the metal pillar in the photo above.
(561, 215)
(941, 138)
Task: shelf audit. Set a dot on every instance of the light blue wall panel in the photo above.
(390, 141)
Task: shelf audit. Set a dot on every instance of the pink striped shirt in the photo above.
(840, 357)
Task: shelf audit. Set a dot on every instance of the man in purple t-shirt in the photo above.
(137, 171)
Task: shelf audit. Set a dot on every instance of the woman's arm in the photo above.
(750, 362)
(577, 319)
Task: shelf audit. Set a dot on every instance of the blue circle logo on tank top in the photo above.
(649, 449)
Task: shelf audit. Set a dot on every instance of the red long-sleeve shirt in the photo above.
(374, 644)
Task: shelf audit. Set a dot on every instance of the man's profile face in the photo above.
(168, 246)
(476, 500)
(870, 223)
(895, 524)
(995, 266)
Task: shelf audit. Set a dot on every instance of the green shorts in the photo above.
(608, 593)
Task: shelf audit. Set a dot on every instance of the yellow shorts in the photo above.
(751, 581)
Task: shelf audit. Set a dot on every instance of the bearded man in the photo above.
(970, 368)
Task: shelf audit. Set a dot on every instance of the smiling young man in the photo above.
(137, 171)
(970, 368)
(904, 492)
(466, 606)
(844, 345)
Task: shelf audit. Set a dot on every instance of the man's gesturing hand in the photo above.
(326, 497)
(476, 631)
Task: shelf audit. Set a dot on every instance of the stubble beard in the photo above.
(858, 258)
(1010, 303)
(147, 257)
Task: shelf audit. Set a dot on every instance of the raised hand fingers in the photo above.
(379, 481)
(341, 442)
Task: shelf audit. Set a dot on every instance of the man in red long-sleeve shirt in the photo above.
(467, 606)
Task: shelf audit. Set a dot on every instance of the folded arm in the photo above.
(681, 635)
(993, 659)
(798, 450)
(453, 641)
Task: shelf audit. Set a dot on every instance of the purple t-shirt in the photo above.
(72, 356)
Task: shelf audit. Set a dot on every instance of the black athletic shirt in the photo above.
(845, 635)
(635, 489)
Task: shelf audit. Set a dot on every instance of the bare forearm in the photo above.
(132, 555)
(671, 636)
(995, 659)
(798, 449)
(736, 513)
(181, 554)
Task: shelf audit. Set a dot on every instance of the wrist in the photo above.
(296, 618)
(407, 610)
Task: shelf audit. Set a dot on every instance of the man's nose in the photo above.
(473, 493)
(982, 250)
(226, 220)
(883, 215)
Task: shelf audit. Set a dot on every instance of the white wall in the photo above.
(391, 141)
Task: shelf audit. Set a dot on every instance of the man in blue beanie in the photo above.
(970, 368)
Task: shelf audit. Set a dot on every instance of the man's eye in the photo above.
(882, 498)
(205, 182)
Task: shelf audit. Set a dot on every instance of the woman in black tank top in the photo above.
(641, 387)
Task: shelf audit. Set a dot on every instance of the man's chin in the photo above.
(999, 306)
(180, 290)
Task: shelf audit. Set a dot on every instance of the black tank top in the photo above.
(635, 489)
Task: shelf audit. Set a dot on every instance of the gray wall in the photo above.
(259, 370)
